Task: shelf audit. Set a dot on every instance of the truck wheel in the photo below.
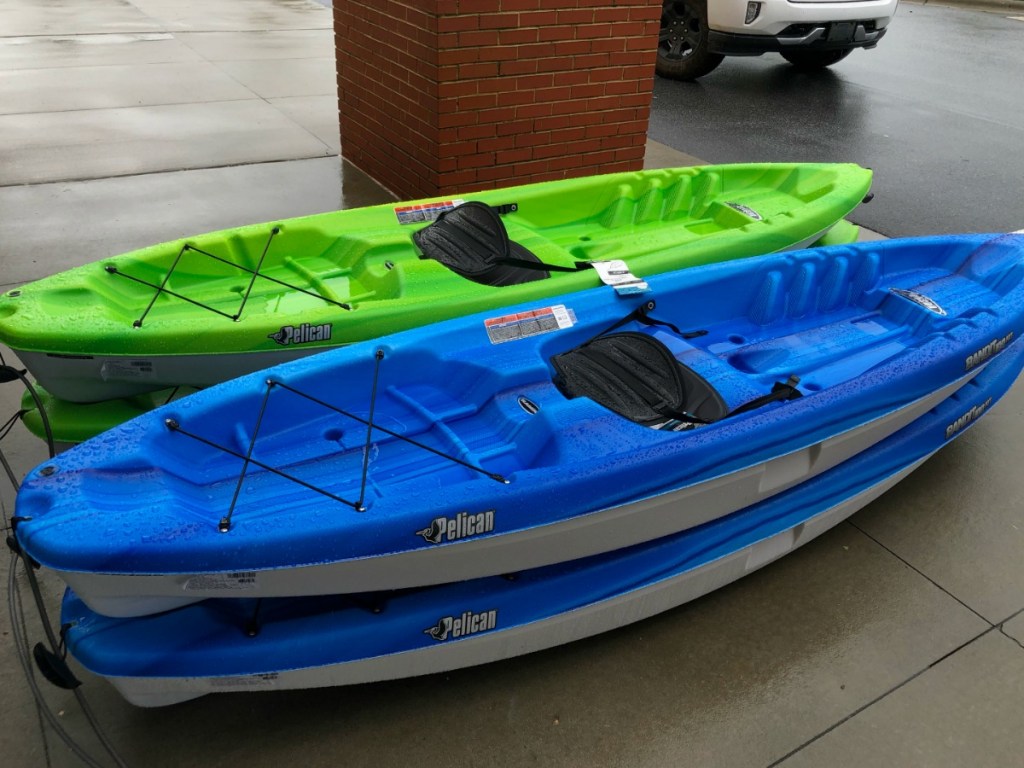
(815, 59)
(683, 42)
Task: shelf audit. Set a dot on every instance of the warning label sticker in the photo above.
(264, 680)
(413, 214)
(121, 369)
(523, 324)
(218, 581)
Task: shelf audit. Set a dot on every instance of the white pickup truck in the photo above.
(697, 34)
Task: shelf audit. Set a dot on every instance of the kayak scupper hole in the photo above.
(237, 289)
(333, 435)
(737, 339)
(585, 238)
(810, 386)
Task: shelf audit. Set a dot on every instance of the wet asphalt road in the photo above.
(937, 110)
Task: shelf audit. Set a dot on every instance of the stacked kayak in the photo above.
(519, 439)
(245, 645)
(201, 310)
(68, 423)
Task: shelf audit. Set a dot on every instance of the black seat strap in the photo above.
(781, 391)
(640, 315)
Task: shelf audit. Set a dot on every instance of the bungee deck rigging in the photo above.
(225, 522)
(163, 290)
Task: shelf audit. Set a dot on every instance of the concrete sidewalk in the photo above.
(893, 640)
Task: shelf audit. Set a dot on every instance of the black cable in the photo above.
(16, 607)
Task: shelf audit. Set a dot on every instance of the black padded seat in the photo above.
(637, 377)
(471, 240)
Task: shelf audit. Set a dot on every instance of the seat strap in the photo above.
(640, 315)
(781, 391)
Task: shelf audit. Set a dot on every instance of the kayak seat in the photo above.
(471, 240)
(636, 376)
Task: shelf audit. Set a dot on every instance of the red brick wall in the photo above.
(439, 96)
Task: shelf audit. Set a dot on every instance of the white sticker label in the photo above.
(523, 324)
(266, 680)
(616, 274)
(239, 580)
(126, 369)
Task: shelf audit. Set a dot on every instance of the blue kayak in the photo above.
(513, 441)
(245, 644)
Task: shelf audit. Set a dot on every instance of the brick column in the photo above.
(437, 96)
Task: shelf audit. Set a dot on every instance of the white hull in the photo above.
(503, 644)
(93, 378)
(122, 595)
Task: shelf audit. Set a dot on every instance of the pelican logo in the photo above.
(994, 347)
(301, 334)
(746, 210)
(468, 623)
(920, 299)
(967, 418)
(463, 525)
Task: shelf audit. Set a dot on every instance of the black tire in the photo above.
(683, 42)
(815, 59)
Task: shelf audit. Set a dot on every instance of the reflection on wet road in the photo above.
(937, 110)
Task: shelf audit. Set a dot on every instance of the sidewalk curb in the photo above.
(1004, 7)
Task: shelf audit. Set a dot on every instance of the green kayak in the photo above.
(71, 423)
(207, 308)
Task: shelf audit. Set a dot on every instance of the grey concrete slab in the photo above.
(1014, 627)
(214, 15)
(107, 87)
(739, 678)
(958, 518)
(46, 51)
(967, 710)
(317, 114)
(273, 44)
(658, 155)
(46, 228)
(60, 146)
(64, 17)
(285, 77)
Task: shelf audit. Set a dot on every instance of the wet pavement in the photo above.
(893, 640)
(937, 110)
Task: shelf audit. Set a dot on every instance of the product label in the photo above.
(467, 623)
(746, 210)
(239, 580)
(303, 333)
(994, 347)
(266, 680)
(969, 417)
(414, 214)
(616, 274)
(460, 526)
(126, 369)
(523, 324)
(920, 299)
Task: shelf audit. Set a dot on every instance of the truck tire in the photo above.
(683, 41)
